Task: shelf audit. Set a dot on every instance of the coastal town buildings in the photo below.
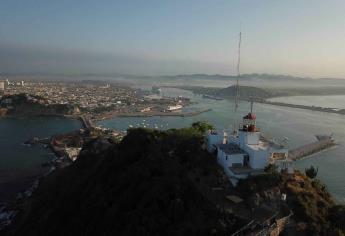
(95, 98)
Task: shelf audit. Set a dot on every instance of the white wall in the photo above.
(248, 138)
(253, 137)
(213, 139)
(258, 159)
(235, 159)
(227, 160)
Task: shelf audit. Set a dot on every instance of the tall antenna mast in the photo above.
(237, 95)
(237, 88)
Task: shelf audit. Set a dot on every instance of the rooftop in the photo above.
(245, 170)
(265, 144)
(231, 148)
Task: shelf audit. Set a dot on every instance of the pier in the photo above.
(323, 142)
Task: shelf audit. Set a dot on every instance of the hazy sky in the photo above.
(298, 37)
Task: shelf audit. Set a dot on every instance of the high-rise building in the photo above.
(2, 87)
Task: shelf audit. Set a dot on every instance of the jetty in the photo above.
(305, 107)
(323, 142)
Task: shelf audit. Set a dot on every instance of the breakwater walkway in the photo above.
(311, 108)
(323, 142)
(87, 123)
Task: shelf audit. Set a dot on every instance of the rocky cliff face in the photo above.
(308, 200)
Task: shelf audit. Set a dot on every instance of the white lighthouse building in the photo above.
(246, 152)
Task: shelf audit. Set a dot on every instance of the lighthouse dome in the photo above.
(250, 116)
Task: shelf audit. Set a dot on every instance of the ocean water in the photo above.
(334, 101)
(299, 126)
(20, 164)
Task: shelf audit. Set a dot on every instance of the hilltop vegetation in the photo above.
(139, 186)
(246, 92)
(315, 212)
(24, 104)
(153, 183)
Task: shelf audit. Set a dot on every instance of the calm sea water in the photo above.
(334, 101)
(19, 164)
(299, 126)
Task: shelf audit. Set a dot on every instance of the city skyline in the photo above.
(298, 38)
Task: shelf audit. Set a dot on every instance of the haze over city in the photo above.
(175, 117)
(300, 38)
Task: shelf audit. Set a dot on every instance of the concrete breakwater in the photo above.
(311, 108)
(322, 143)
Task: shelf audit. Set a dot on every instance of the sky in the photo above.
(163, 37)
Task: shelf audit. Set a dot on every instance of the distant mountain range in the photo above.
(249, 77)
(252, 76)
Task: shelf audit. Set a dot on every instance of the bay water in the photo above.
(19, 163)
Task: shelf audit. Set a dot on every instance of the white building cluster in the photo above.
(246, 152)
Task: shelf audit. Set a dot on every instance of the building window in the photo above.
(246, 160)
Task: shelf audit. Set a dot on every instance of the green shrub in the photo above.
(258, 183)
(202, 126)
(311, 172)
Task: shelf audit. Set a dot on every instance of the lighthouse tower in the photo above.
(249, 134)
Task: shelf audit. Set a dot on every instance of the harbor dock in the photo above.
(164, 114)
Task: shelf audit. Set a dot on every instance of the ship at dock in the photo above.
(174, 108)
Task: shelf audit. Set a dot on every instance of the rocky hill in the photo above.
(245, 92)
(161, 183)
(137, 187)
(314, 211)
